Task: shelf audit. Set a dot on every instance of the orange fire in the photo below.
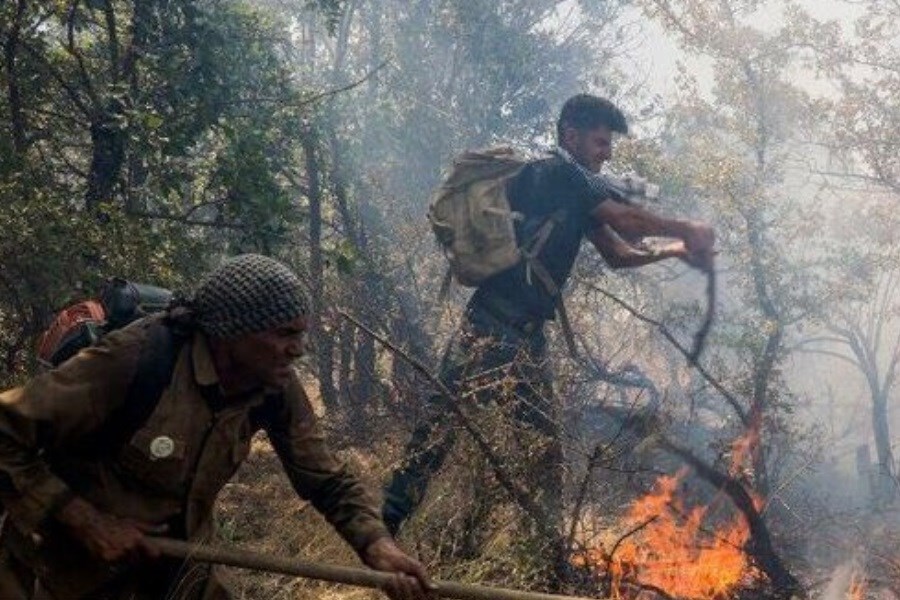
(742, 450)
(675, 552)
(668, 546)
(857, 589)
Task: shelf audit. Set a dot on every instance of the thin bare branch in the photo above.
(730, 398)
(520, 495)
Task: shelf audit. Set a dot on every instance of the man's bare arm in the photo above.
(619, 254)
(631, 221)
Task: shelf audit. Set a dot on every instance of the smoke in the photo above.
(842, 580)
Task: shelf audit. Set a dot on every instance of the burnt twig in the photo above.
(628, 534)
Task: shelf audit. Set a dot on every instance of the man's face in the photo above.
(268, 356)
(590, 147)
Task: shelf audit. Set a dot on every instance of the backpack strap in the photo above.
(537, 242)
(155, 366)
(534, 265)
(546, 280)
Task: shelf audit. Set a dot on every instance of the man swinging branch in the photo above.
(502, 337)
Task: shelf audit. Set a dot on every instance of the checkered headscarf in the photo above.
(596, 182)
(247, 294)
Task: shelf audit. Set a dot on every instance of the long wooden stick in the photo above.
(234, 557)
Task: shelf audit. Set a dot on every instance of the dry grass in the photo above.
(259, 511)
(467, 529)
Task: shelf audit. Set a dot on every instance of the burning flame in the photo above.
(675, 553)
(857, 589)
(742, 450)
(668, 546)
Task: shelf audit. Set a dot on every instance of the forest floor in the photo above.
(259, 511)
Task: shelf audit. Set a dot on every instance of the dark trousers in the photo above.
(488, 361)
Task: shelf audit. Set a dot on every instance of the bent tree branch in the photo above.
(520, 495)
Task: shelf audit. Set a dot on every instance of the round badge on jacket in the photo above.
(162, 447)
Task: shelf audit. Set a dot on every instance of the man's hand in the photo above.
(410, 582)
(673, 249)
(107, 537)
(699, 239)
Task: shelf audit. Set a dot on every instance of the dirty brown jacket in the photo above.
(169, 471)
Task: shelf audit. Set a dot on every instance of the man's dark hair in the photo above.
(585, 112)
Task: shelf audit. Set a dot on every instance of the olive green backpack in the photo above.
(474, 224)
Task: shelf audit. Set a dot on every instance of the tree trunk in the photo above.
(324, 340)
(107, 126)
(887, 484)
(363, 388)
(766, 361)
(140, 40)
(10, 52)
(374, 28)
(347, 337)
(107, 155)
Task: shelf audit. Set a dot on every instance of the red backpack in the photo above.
(83, 324)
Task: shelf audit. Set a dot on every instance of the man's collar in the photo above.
(207, 377)
(204, 368)
(597, 182)
(564, 154)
